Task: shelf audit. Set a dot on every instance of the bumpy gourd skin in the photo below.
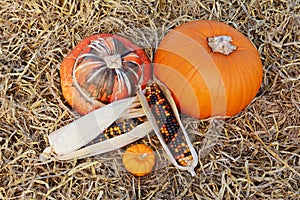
(169, 127)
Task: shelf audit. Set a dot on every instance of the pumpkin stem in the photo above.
(221, 44)
(113, 61)
(143, 156)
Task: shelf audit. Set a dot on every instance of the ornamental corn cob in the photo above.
(168, 125)
(117, 128)
(81, 138)
(71, 140)
(163, 116)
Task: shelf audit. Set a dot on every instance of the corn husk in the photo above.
(70, 141)
(67, 142)
(193, 163)
(111, 144)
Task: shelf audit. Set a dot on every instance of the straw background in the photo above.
(254, 155)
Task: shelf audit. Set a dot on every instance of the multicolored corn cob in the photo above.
(127, 120)
(117, 128)
(169, 126)
(84, 137)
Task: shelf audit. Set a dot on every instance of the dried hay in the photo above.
(254, 155)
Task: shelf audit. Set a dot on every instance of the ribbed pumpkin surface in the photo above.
(206, 83)
(139, 159)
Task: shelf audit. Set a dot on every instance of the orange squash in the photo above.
(211, 68)
(100, 69)
(139, 159)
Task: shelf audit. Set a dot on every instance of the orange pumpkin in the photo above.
(139, 159)
(211, 68)
(100, 69)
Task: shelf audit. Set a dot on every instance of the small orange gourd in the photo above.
(211, 68)
(139, 159)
